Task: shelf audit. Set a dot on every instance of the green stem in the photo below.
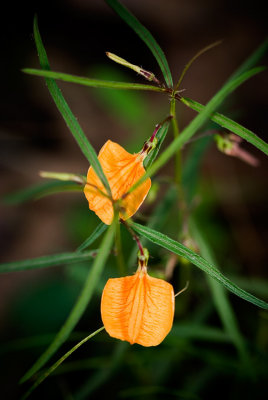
(119, 252)
(176, 134)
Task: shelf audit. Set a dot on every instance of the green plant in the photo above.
(191, 240)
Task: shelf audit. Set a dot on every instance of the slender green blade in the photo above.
(80, 305)
(94, 236)
(252, 60)
(40, 190)
(96, 83)
(196, 123)
(230, 125)
(221, 300)
(49, 371)
(47, 261)
(177, 248)
(220, 295)
(67, 114)
(144, 35)
(161, 134)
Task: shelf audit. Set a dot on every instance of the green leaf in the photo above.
(94, 236)
(161, 134)
(230, 125)
(144, 35)
(177, 248)
(67, 114)
(220, 297)
(80, 305)
(49, 371)
(195, 124)
(47, 261)
(41, 190)
(96, 83)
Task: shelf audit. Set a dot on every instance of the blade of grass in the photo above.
(94, 236)
(43, 376)
(230, 125)
(47, 261)
(195, 124)
(221, 300)
(67, 114)
(96, 83)
(40, 190)
(252, 60)
(177, 248)
(161, 134)
(144, 35)
(220, 296)
(80, 305)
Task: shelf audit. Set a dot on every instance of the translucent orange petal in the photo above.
(122, 170)
(138, 309)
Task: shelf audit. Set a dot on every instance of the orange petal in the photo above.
(138, 309)
(122, 170)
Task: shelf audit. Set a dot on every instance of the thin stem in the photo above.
(176, 134)
(182, 290)
(135, 237)
(187, 66)
(119, 252)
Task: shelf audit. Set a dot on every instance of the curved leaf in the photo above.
(230, 125)
(180, 250)
(146, 36)
(67, 114)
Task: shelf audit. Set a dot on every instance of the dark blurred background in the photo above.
(34, 137)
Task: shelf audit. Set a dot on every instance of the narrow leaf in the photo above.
(144, 35)
(96, 83)
(67, 114)
(80, 305)
(180, 250)
(94, 236)
(221, 300)
(47, 261)
(49, 371)
(40, 190)
(196, 123)
(230, 125)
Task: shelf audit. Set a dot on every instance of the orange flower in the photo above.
(122, 170)
(138, 308)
